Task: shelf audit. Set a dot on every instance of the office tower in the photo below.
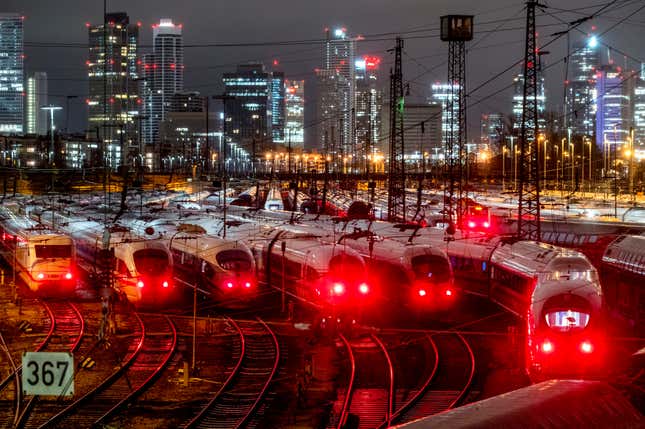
(11, 73)
(580, 104)
(369, 102)
(443, 95)
(162, 77)
(36, 121)
(492, 130)
(639, 112)
(278, 109)
(295, 112)
(518, 98)
(336, 92)
(187, 101)
(614, 115)
(113, 91)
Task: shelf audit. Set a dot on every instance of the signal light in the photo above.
(164, 284)
(68, 276)
(229, 285)
(471, 224)
(363, 288)
(547, 346)
(586, 347)
(40, 276)
(140, 284)
(422, 292)
(338, 288)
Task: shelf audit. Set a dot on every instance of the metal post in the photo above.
(194, 325)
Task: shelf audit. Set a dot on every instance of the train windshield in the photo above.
(588, 275)
(567, 320)
(431, 268)
(150, 261)
(234, 260)
(51, 251)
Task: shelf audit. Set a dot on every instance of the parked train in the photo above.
(223, 268)
(142, 269)
(556, 292)
(623, 277)
(42, 258)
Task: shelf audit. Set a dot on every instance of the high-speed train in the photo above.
(44, 259)
(142, 271)
(222, 268)
(623, 278)
(555, 291)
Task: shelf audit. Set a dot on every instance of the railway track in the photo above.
(239, 398)
(145, 359)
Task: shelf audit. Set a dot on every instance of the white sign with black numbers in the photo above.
(46, 373)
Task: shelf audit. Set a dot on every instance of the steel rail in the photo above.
(348, 394)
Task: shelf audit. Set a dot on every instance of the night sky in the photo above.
(498, 43)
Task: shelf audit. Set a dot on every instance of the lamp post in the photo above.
(51, 109)
(573, 164)
(631, 162)
(504, 150)
(590, 178)
(564, 139)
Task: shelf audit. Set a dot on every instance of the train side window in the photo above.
(122, 268)
(593, 239)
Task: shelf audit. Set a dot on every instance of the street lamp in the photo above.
(504, 150)
(573, 163)
(51, 109)
(590, 178)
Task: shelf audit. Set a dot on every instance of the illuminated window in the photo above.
(567, 320)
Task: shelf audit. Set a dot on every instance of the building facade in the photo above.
(443, 95)
(518, 99)
(580, 90)
(614, 117)
(492, 130)
(368, 105)
(36, 97)
(639, 114)
(295, 112)
(278, 108)
(113, 88)
(11, 73)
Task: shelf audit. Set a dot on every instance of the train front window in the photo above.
(431, 268)
(52, 251)
(567, 320)
(234, 260)
(150, 261)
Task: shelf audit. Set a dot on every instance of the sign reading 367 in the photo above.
(45, 373)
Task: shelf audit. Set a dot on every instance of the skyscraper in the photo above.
(163, 76)
(492, 130)
(11, 73)
(518, 99)
(639, 112)
(35, 117)
(443, 95)
(113, 92)
(580, 90)
(369, 101)
(614, 115)
(278, 107)
(295, 112)
(336, 90)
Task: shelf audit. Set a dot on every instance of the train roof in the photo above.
(627, 252)
(550, 404)
(22, 226)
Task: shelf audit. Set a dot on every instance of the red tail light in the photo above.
(40, 276)
(486, 225)
(471, 224)
(364, 288)
(448, 292)
(68, 276)
(338, 288)
(247, 285)
(140, 284)
(586, 347)
(422, 292)
(547, 346)
(164, 284)
(229, 285)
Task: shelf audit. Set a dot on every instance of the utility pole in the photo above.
(456, 30)
(528, 215)
(396, 174)
(224, 98)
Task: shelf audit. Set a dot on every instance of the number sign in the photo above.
(48, 374)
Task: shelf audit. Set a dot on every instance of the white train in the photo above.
(143, 268)
(555, 291)
(623, 275)
(274, 200)
(224, 268)
(44, 259)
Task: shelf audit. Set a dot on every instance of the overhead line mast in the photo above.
(528, 213)
(396, 175)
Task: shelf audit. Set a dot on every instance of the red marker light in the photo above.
(140, 284)
(247, 285)
(338, 288)
(547, 346)
(229, 285)
(422, 292)
(40, 276)
(164, 284)
(363, 288)
(471, 224)
(586, 347)
(68, 276)
(448, 292)
(486, 225)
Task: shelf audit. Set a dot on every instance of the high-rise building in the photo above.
(492, 130)
(336, 91)
(36, 97)
(295, 112)
(443, 95)
(187, 101)
(639, 112)
(11, 73)
(113, 91)
(369, 101)
(614, 116)
(249, 114)
(518, 99)
(278, 111)
(163, 76)
(580, 103)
